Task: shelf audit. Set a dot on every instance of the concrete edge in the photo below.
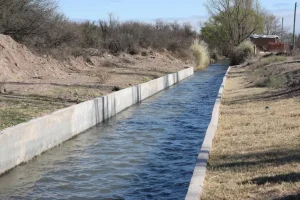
(21, 143)
(104, 96)
(197, 181)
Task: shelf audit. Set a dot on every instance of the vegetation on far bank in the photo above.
(39, 25)
(231, 22)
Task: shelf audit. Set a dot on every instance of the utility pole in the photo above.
(294, 37)
(282, 30)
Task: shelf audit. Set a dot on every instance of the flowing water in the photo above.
(148, 151)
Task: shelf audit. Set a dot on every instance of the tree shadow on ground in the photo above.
(272, 95)
(290, 177)
(289, 197)
(258, 159)
(261, 160)
(284, 92)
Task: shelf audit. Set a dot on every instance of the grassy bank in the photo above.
(256, 152)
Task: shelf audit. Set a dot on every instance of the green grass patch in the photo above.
(11, 117)
(15, 112)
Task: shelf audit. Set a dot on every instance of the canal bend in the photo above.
(148, 151)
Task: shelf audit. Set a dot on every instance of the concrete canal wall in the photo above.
(197, 181)
(23, 142)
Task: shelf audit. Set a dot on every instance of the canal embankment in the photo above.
(23, 142)
(256, 150)
(148, 151)
(197, 181)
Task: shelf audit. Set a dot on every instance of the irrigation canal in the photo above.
(148, 151)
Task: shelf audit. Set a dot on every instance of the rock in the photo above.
(116, 88)
(37, 77)
(144, 53)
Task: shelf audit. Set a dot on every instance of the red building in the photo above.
(270, 43)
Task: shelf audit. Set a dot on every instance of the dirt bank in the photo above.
(256, 152)
(33, 86)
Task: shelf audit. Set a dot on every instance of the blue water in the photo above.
(148, 151)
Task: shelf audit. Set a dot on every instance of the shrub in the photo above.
(19, 18)
(144, 53)
(103, 76)
(268, 60)
(39, 25)
(214, 54)
(201, 54)
(262, 82)
(242, 52)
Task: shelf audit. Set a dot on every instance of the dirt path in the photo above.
(256, 152)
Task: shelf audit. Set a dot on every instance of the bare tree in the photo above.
(19, 18)
(239, 18)
(272, 24)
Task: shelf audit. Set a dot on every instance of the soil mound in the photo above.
(18, 63)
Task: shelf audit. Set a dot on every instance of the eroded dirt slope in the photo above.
(32, 85)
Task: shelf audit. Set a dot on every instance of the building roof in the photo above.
(263, 36)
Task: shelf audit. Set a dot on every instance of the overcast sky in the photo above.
(191, 11)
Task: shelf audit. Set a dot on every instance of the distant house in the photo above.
(269, 43)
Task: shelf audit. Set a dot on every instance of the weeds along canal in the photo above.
(148, 151)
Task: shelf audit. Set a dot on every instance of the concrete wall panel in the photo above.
(21, 143)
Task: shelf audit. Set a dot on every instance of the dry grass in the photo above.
(2, 85)
(268, 60)
(14, 111)
(256, 152)
(201, 54)
(103, 76)
(18, 108)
